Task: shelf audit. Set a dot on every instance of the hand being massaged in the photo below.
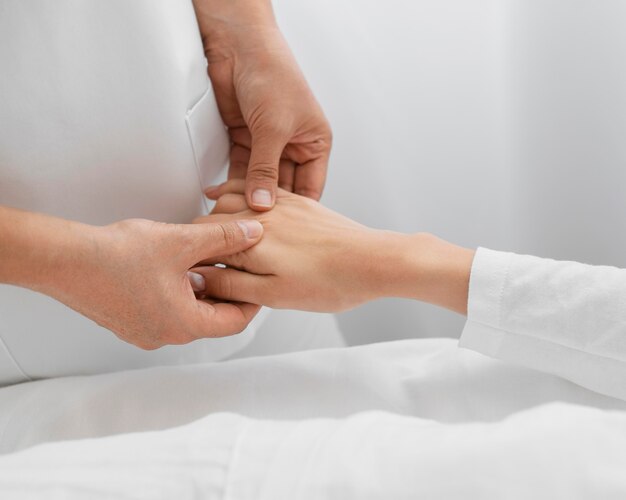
(311, 258)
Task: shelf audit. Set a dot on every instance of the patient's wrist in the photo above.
(425, 268)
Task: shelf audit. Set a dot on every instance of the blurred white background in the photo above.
(497, 123)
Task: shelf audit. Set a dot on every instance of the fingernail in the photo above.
(197, 281)
(262, 198)
(251, 228)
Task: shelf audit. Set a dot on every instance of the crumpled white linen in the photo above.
(551, 452)
(389, 420)
(564, 318)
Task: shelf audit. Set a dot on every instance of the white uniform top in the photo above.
(106, 113)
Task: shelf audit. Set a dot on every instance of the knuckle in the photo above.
(186, 238)
(322, 147)
(224, 287)
(263, 170)
(329, 137)
(229, 234)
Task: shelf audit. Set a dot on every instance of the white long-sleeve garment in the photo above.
(564, 318)
(410, 419)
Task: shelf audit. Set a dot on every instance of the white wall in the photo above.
(488, 122)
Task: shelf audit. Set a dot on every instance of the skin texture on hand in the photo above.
(314, 259)
(280, 136)
(130, 277)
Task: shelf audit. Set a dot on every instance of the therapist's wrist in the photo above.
(230, 27)
(41, 252)
(77, 252)
(426, 268)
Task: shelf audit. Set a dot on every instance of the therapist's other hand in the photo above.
(310, 257)
(133, 279)
(280, 136)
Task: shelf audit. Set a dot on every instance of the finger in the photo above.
(230, 204)
(310, 178)
(239, 158)
(223, 319)
(236, 260)
(233, 285)
(242, 137)
(286, 175)
(217, 218)
(262, 176)
(220, 238)
(220, 74)
(235, 186)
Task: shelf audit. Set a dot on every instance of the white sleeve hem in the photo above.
(597, 373)
(487, 281)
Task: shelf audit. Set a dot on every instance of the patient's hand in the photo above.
(314, 259)
(310, 257)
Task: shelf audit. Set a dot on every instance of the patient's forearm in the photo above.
(423, 267)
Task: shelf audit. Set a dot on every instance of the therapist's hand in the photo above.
(279, 133)
(132, 276)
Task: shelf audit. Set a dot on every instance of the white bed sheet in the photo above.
(392, 420)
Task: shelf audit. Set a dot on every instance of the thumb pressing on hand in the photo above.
(262, 176)
(220, 240)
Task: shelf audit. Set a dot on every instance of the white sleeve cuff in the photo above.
(487, 281)
(489, 331)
